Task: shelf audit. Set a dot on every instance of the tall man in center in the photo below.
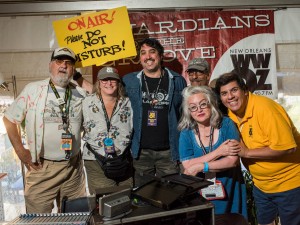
(155, 95)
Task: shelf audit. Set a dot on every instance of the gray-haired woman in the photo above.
(205, 147)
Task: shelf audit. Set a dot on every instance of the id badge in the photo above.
(214, 191)
(60, 101)
(152, 118)
(109, 146)
(66, 142)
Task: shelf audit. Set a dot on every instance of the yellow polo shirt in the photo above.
(267, 124)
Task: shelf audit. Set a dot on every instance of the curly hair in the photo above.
(152, 43)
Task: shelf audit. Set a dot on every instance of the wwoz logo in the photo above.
(255, 80)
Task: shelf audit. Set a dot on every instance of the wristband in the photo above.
(77, 75)
(206, 168)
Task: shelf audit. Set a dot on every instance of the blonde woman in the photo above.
(107, 127)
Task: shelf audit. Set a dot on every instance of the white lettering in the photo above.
(262, 20)
(167, 25)
(220, 24)
(183, 25)
(237, 20)
(200, 24)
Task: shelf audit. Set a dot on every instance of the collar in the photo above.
(167, 71)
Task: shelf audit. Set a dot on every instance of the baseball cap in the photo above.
(63, 52)
(108, 72)
(198, 64)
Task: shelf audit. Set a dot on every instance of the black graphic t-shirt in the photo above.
(156, 135)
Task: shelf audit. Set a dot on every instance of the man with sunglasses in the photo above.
(52, 110)
(270, 150)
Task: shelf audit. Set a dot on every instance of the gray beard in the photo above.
(61, 81)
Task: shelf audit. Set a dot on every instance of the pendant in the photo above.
(154, 101)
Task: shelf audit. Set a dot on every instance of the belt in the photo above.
(73, 159)
(43, 159)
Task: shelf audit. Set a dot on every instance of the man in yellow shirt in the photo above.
(269, 150)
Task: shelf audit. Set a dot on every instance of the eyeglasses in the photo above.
(112, 81)
(197, 73)
(194, 108)
(61, 61)
(232, 91)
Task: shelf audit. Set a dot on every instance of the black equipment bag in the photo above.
(117, 168)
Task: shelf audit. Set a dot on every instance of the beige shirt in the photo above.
(30, 105)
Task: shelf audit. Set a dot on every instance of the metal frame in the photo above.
(27, 7)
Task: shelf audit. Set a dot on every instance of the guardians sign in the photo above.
(241, 40)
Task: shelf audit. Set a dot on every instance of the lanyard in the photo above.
(107, 120)
(64, 106)
(156, 91)
(210, 140)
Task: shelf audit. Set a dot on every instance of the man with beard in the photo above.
(53, 157)
(155, 95)
(198, 72)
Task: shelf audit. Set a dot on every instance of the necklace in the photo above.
(208, 135)
(210, 140)
(153, 101)
(211, 132)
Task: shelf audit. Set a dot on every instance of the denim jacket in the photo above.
(133, 86)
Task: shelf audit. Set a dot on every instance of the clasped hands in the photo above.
(230, 147)
(233, 147)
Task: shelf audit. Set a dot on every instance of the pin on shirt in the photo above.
(154, 102)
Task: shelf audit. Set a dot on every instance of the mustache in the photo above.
(150, 59)
(196, 79)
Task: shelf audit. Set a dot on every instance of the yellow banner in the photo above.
(97, 38)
